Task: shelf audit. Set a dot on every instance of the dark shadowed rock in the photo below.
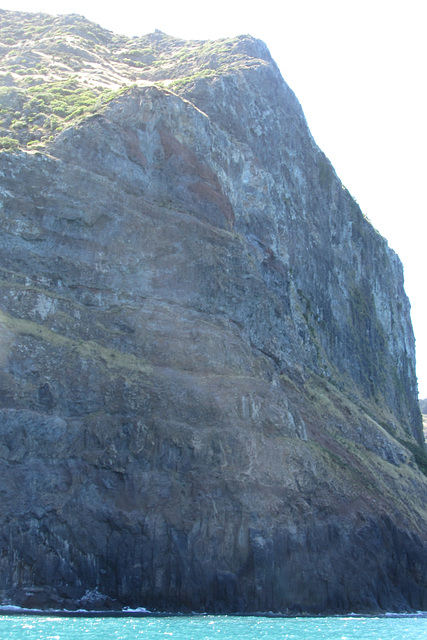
(208, 397)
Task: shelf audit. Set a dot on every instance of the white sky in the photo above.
(358, 69)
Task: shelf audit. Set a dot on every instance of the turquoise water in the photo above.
(211, 628)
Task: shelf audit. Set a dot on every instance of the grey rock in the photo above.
(207, 366)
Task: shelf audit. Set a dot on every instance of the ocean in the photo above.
(201, 627)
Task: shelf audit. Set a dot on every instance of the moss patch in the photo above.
(111, 358)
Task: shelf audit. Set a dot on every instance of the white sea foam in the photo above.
(12, 608)
(416, 614)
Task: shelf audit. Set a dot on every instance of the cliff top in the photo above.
(54, 70)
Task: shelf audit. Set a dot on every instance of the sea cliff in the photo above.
(208, 398)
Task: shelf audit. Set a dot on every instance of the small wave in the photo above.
(126, 611)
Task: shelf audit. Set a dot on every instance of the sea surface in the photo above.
(20, 627)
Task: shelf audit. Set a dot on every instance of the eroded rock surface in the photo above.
(208, 397)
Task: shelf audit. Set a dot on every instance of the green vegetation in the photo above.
(419, 453)
(140, 57)
(326, 173)
(8, 143)
(110, 359)
(39, 53)
(181, 82)
(63, 99)
(46, 108)
(38, 98)
(336, 406)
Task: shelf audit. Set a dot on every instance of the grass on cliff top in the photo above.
(49, 69)
(30, 118)
(55, 69)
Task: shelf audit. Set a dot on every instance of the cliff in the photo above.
(208, 397)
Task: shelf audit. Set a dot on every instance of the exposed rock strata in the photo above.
(207, 370)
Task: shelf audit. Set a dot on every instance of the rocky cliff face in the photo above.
(207, 373)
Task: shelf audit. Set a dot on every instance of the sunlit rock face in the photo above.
(208, 398)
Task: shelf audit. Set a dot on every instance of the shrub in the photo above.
(8, 143)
